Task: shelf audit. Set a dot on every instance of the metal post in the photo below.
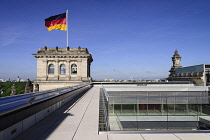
(167, 112)
(147, 102)
(67, 30)
(174, 104)
(121, 103)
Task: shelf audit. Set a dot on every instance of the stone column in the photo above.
(88, 69)
(45, 69)
(79, 69)
(68, 69)
(56, 70)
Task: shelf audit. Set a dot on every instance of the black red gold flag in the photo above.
(57, 22)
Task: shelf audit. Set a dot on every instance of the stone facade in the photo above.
(176, 63)
(59, 67)
(197, 74)
(198, 78)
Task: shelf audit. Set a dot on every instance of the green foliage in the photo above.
(7, 92)
(6, 86)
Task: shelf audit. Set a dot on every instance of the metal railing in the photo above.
(103, 112)
(12, 103)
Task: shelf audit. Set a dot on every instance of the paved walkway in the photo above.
(80, 122)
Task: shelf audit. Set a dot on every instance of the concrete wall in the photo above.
(53, 85)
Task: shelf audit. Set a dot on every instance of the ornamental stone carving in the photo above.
(13, 90)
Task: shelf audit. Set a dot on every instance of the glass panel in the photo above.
(128, 109)
(51, 69)
(142, 106)
(179, 111)
(181, 116)
(62, 69)
(204, 114)
(153, 114)
(115, 109)
(154, 106)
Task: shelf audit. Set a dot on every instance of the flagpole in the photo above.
(67, 30)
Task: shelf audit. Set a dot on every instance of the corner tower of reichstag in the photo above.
(60, 67)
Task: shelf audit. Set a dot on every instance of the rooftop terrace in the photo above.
(80, 121)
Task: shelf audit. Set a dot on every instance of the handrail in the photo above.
(105, 108)
(106, 93)
(158, 96)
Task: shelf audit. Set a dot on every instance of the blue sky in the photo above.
(126, 37)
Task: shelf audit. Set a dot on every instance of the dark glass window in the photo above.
(51, 69)
(207, 66)
(74, 69)
(62, 69)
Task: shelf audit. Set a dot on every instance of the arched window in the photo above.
(62, 69)
(51, 69)
(73, 69)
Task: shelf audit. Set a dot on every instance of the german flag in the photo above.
(57, 22)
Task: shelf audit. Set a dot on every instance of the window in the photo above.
(62, 69)
(73, 69)
(51, 69)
